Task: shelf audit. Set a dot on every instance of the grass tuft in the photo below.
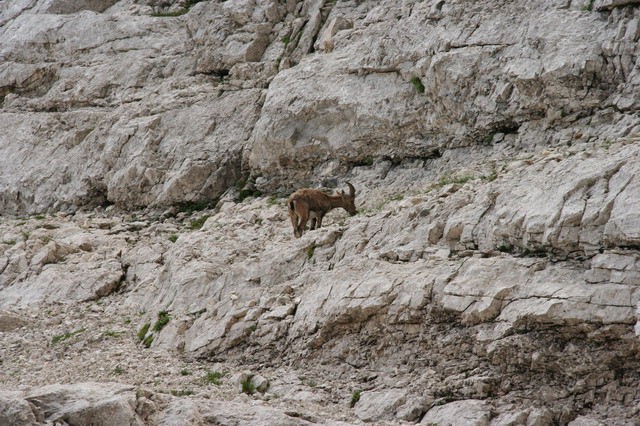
(163, 319)
(65, 336)
(355, 397)
(248, 386)
(417, 83)
(273, 201)
(310, 250)
(143, 331)
(214, 377)
(148, 341)
(247, 193)
(198, 223)
(448, 179)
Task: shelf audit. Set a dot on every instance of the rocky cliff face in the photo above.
(148, 271)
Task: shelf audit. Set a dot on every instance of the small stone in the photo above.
(260, 383)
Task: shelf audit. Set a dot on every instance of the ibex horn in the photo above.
(352, 190)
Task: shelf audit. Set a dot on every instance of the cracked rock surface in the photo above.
(148, 269)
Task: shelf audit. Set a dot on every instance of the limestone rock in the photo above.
(14, 409)
(148, 147)
(260, 383)
(326, 42)
(467, 412)
(83, 403)
(378, 406)
(584, 421)
(9, 321)
(73, 6)
(225, 414)
(610, 4)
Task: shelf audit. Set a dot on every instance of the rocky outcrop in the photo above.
(116, 404)
(438, 76)
(492, 274)
(14, 409)
(231, 85)
(82, 403)
(467, 412)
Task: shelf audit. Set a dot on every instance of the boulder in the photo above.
(470, 412)
(87, 403)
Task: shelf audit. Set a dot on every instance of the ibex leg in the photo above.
(304, 217)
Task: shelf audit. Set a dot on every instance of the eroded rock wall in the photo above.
(125, 103)
(493, 268)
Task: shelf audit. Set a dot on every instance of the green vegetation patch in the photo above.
(194, 206)
(355, 397)
(148, 341)
(588, 6)
(248, 386)
(143, 331)
(214, 377)
(247, 193)
(198, 223)
(163, 319)
(417, 83)
(448, 179)
(246, 189)
(65, 336)
(273, 201)
(491, 176)
(310, 250)
(505, 248)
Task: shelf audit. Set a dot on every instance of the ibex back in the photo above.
(305, 204)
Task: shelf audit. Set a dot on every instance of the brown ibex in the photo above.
(305, 204)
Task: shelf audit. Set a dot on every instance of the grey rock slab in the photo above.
(469, 412)
(375, 406)
(16, 410)
(65, 283)
(180, 411)
(72, 6)
(87, 403)
(10, 321)
(610, 4)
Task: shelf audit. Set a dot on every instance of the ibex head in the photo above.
(313, 204)
(349, 201)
